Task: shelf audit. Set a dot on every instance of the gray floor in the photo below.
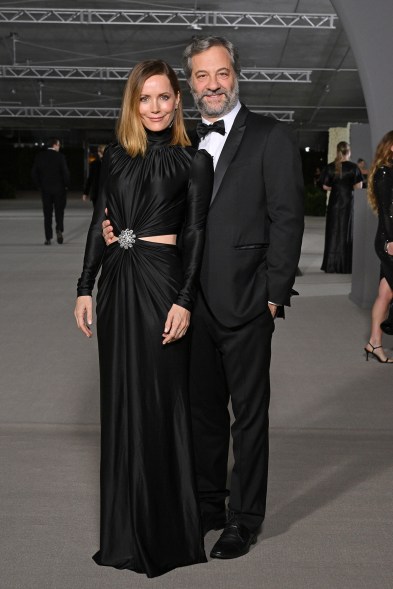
(329, 522)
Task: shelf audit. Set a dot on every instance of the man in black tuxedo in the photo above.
(50, 174)
(252, 248)
(253, 239)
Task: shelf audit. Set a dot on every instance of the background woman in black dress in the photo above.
(380, 195)
(154, 186)
(340, 177)
(92, 184)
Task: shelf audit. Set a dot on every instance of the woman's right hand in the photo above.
(84, 314)
(107, 231)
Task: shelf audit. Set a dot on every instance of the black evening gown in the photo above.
(383, 190)
(150, 520)
(337, 256)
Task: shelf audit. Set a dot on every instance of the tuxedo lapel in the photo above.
(230, 148)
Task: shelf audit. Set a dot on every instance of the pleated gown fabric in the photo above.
(337, 256)
(150, 520)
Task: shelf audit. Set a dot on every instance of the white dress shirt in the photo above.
(214, 142)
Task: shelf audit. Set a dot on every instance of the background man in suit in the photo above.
(253, 239)
(50, 174)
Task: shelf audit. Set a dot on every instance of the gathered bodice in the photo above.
(166, 191)
(148, 195)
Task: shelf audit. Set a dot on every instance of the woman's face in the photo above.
(158, 103)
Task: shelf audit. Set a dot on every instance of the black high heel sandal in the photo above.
(387, 361)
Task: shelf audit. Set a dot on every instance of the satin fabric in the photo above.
(150, 520)
(337, 256)
(383, 190)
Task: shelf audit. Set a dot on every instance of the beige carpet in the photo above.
(330, 511)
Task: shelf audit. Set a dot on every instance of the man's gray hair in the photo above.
(201, 44)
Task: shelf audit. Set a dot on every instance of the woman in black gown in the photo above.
(380, 195)
(154, 186)
(340, 177)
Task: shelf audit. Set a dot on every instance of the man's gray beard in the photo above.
(220, 110)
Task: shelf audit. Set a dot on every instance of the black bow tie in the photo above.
(203, 130)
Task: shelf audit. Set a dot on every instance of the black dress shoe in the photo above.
(59, 236)
(213, 521)
(235, 541)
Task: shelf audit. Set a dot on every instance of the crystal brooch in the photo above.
(127, 238)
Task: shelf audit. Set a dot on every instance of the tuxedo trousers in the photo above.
(53, 199)
(231, 364)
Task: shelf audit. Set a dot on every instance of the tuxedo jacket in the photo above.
(50, 171)
(256, 220)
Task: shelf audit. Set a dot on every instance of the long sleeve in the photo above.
(95, 244)
(285, 199)
(383, 186)
(35, 173)
(65, 171)
(199, 192)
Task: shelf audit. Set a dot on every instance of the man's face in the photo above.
(213, 83)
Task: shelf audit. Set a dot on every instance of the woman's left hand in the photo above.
(83, 314)
(176, 324)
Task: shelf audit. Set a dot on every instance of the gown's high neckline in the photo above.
(157, 138)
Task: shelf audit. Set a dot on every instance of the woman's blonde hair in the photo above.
(343, 149)
(130, 131)
(383, 157)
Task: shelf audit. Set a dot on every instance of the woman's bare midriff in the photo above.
(171, 239)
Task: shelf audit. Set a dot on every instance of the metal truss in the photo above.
(46, 112)
(121, 73)
(285, 116)
(280, 115)
(279, 75)
(192, 18)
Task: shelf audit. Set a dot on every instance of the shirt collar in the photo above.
(228, 118)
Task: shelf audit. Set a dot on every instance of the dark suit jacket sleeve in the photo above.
(35, 172)
(65, 171)
(285, 203)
